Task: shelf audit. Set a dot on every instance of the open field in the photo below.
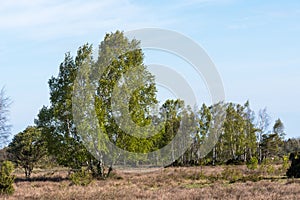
(170, 183)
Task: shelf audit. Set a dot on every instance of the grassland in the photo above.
(169, 183)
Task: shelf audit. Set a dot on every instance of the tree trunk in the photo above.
(214, 156)
(109, 171)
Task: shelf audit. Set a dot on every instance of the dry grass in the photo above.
(170, 183)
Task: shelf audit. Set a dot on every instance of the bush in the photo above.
(81, 177)
(6, 179)
(252, 177)
(232, 175)
(234, 162)
(267, 168)
(286, 163)
(252, 163)
(294, 170)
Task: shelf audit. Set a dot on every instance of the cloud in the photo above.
(261, 17)
(203, 2)
(43, 19)
(48, 19)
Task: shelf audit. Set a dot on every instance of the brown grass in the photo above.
(170, 183)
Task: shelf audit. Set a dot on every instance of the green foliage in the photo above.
(271, 145)
(232, 174)
(56, 121)
(82, 177)
(117, 56)
(291, 146)
(267, 167)
(252, 177)
(120, 71)
(6, 179)
(278, 128)
(125, 69)
(202, 131)
(47, 162)
(171, 109)
(27, 148)
(270, 169)
(252, 163)
(285, 163)
(239, 138)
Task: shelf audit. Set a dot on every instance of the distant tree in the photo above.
(234, 137)
(204, 119)
(237, 142)
(4, 126)
(270, 145)
(262, 125)
(172, 110)
(278, 128)
(291, 145)
(27, 148)
(250, 132)
(216, 131)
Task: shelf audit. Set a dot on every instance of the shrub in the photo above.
(232, 175)
(252, 163)
(294, 170)
(286, 163)
(115, 176)
(252, 177)
(266, 167)
(81, 177)
(6, 179)
(234, 162)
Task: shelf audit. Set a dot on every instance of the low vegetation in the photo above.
(6, 178)
(81, 177)
(168, 183)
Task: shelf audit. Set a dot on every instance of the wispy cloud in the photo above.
(39, 13)
(247, 23)
(44, 19)
(262, 17)
(203, 2)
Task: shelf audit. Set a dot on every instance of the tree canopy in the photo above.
(27, 148)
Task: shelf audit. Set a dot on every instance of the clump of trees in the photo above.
(27, 148)
(241, 137)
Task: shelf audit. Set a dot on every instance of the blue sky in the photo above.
(254, 44)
